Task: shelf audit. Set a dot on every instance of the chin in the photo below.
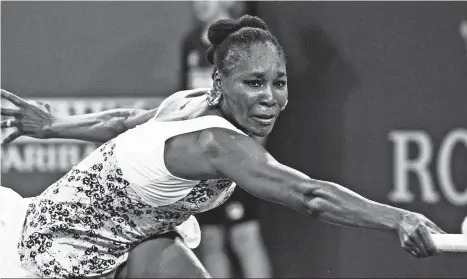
(261, 131)
(258, 130)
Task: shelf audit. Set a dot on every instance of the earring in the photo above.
(285, 105)
(213, 98)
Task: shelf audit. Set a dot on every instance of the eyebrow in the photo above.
(261, 75)
(258, 74)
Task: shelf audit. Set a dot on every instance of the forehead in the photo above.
(259, 57)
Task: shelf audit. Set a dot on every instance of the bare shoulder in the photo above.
(195, 92)
(183, 105)
(215, 142)
(193, 155)
(212, 153)
(188, 94)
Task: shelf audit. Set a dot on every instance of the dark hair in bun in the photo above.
(227, 33)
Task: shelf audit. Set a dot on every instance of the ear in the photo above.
(216, 78)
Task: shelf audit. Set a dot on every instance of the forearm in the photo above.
(248, 164)
(94, 127)
(338, 205)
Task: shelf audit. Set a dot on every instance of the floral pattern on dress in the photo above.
(85, 223)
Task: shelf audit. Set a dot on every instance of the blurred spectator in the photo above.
(232, 227)
(463, 30)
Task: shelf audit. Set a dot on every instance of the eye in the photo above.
(280, 83)
(253, 82)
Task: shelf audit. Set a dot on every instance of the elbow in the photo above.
(313, 198)
(113, 127)
(114, 123)
(110, 130)
(315, 206)
(118, 128)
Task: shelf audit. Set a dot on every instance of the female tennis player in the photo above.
(118, 213)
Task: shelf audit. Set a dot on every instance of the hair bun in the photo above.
(221, 29)
(253, 22)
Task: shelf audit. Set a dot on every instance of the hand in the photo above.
(28, 118)
(415, 235)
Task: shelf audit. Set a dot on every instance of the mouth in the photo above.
(264, 119)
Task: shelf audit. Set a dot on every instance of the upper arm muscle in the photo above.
(250, 166)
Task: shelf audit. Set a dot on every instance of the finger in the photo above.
(412, 251)
(11, 137)
(415, 237)
(13, 98)
(10, 112)
(10, 123)
(434, 228)
(412, 245)
(432, 231)
(409, 245)
(428, 241)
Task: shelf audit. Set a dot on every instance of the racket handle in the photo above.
(450, 242)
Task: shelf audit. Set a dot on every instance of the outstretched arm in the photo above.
(36, 120)
(97, 127)
(251, 167)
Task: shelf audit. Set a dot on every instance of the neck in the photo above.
(220, 112)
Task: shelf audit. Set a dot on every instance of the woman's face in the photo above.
(254, 88)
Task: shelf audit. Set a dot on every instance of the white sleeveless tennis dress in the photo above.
(85, 223)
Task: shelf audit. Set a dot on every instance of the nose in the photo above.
(268, 99)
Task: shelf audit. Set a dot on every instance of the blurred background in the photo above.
(378, 96)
